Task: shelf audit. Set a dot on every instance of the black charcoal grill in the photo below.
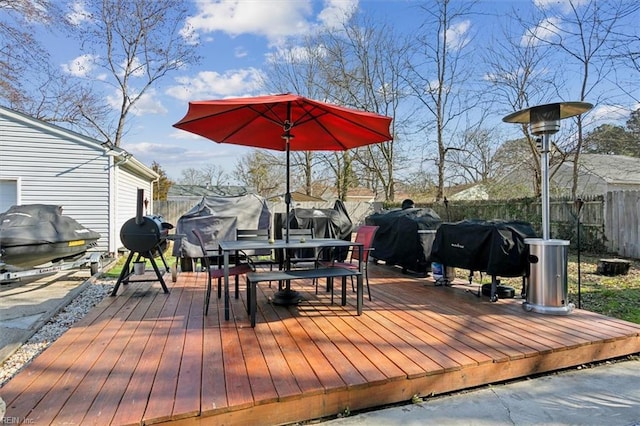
(145, 234)
(145, 237)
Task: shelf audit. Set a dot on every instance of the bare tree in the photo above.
(585, 35)
(28, 81)
(262, 171)
(627, 56)
(363, 67)
(210, 175)
(19, 49)
(519, 76)
(439, 72)
(138, 42)
(190, 176)
(356, 65)
(473, 159)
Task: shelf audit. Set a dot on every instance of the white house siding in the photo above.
(58, 167)
(127, 183)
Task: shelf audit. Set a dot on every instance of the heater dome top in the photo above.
(548, 112)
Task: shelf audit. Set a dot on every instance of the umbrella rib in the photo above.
(325, 112)
(270, 109)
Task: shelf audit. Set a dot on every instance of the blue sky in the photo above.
(236, 38)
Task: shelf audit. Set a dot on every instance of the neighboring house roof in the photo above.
(206, 191)
(613, 169)
(597, 174)
(473, 192)
(353, 194)
(360, 194)
(300, 196)
(297, 196)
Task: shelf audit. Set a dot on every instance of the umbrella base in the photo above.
(286, 297)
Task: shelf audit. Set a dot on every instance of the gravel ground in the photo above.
(55, 327)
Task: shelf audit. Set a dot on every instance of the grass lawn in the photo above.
(617, 296)
(116, 268)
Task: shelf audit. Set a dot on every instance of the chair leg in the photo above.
(208, 296)
(330, 287)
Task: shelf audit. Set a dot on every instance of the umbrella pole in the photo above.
(287, 142)
(287, 196)
(286, 296)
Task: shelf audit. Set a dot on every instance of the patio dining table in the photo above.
(231, 246)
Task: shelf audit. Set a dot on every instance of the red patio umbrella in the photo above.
(285, 122)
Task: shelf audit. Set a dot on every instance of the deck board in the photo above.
(136, 395)
(149, 357)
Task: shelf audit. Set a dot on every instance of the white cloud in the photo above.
(273, 20)
(546, 30)
(211, 84)
(335, 12)
(457, 35)
(237, 17)
(564, 5)
(175, 157)
(608, 113)
(240, 52)
(78, 13)
(147, 104)
(80, 66)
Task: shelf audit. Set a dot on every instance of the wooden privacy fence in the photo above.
(622, 224)
(608, 223)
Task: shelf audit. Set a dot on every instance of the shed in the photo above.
(95, 184)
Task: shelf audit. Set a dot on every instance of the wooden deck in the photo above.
(146, 357)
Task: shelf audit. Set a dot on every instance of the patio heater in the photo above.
(547, 288)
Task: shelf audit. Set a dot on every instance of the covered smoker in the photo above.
(218, 218)
(326, 223)
(145, 237)
(403, 238)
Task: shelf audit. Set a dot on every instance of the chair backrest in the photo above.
(301, 254)
(203, 247)
(254, 235)
(298, 233)
(365, 236)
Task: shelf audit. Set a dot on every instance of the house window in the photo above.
(8, 193)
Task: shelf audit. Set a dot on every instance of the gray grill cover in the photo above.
(217, 218)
